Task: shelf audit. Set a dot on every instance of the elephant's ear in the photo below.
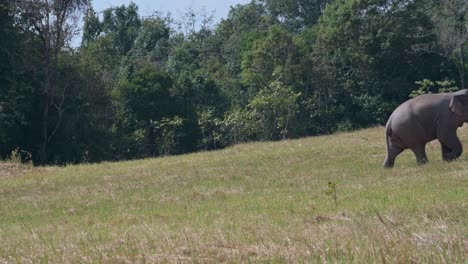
(459, 105)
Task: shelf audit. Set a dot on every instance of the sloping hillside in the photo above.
(321, 198)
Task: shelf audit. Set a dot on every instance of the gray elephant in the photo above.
(425, 118)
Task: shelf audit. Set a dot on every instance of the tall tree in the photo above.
(236, 35)
(451, 27)
(142, 99)
(122, 24)
(364, 55)
(53, 21)
(84, 133)
(7, 54)
(18, 91)
(152, 43)
(296, 14)
(92, 27)
(276, 52)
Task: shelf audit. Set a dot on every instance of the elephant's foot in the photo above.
(449, 157)
(422, 162)
(387, 164)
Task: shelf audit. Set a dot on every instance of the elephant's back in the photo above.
(423, 107)
(415, 121)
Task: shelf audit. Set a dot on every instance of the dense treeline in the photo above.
(147, 86)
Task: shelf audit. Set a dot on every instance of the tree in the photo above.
(451, 27)
(18, 84)
(166, 134)
(276, 52)
(144, 98)
(210, 126)
(53, 22)
(364, 53)
(235, 36)
(274, 109)
(8, 53)
(84, 134)
(238, 126)
(296, 14)
(122, 24)
(92, 28)
(152, 42)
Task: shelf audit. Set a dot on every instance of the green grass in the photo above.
(252, 202)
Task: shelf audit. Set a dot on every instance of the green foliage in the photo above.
(152, 42)
(369, 110)
(237, 33)
(210, 127)
(366, 48)
(427, 86)
(238, 126)
(168, 133)
(20, 80)
(92, 28)
(81, 117)
(296, 14)
(122, 24)
(450, 19)
(145, 107)
(274, 53)
(146, 95)
(274, 109)
(447, 86)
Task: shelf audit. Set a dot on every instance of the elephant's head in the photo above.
(459, 106)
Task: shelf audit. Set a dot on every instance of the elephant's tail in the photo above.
(388, 162)
(388, 132)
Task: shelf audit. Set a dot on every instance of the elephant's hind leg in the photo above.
(420, 153)
(392, 152)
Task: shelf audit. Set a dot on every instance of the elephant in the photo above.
(424, 118)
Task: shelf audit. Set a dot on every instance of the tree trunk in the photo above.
(46, 95)
(49, 19)
(44, 129)
(462, 67)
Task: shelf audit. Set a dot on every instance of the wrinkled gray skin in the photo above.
(425, 118)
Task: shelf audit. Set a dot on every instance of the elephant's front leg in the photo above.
(451, 148)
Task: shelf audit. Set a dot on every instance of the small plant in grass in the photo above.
(331, 191)
(18, 156)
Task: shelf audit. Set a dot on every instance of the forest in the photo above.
(146, 86)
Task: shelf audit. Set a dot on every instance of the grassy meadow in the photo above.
(318, 199)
